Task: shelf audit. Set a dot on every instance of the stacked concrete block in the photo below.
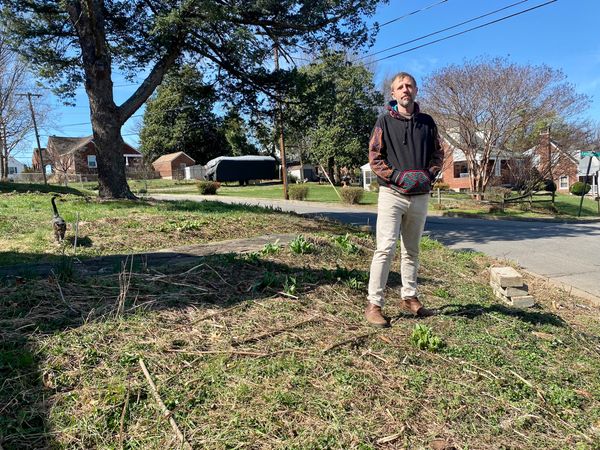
(508, 285)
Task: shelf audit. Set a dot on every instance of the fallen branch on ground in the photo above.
(164, 410)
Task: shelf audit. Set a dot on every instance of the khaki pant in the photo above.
(404, 215)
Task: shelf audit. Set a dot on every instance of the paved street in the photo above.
(568, 253)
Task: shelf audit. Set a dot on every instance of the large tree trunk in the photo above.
(106, 127)
(105, 116)
(330, 168)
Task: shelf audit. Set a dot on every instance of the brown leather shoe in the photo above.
(415, 307)
(375, 317)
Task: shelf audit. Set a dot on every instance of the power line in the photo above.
(412, 13)
(441, 31)
(466, 31)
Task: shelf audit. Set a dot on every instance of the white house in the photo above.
(367, 176)
(14, 167)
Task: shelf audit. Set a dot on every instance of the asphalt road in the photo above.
(566, 253)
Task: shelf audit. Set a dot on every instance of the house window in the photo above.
(92, 161)
(564, 182)
(12, 170)
(461, 170)
(497, 168)
(369, 177)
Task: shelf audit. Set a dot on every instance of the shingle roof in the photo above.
(171, 157)
(66, 145)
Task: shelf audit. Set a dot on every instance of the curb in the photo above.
(591, 299)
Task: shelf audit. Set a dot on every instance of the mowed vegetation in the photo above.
(123, 227)
(269, 349)
(566, 206)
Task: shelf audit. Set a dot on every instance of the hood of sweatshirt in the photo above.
(392, 108)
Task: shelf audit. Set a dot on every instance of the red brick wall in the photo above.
(563, 165)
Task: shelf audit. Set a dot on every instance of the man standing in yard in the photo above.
(406, 156)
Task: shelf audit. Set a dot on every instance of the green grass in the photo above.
(566, 205)
(123, 226)
(242, 364)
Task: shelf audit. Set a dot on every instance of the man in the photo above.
(405, 154)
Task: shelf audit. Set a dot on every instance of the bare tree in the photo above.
(484, 106)
(63, 164)
(15, 117)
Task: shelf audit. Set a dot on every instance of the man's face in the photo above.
(404, 91)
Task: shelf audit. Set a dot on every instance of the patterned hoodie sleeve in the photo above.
(378, 155)
(437, 157)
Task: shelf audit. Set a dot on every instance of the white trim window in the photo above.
(92, 161)
(563, 182)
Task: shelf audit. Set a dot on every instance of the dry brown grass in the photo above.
(241, 362)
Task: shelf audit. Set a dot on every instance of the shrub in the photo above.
(292, 178)
(441, 186)
(580, 188)
(546, 185)
(208, 187)
(497, 194)
(298, 192)
(374, 186)
(352, 195)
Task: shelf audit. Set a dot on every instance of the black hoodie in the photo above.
(405, 153)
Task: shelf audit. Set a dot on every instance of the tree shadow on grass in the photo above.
(35, 187)
(473, 310)
(36, 308)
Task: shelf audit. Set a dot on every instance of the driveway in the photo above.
(566, 253)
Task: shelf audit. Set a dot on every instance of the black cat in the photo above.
(58, 223)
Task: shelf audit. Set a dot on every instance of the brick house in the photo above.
(35, 159)
(565, 164)
(172, 165)
(78, 156)
(455, 171)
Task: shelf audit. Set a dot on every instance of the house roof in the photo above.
(170, 157)
(66, 145)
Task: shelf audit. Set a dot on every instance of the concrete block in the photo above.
(523, 301)
(520, 301)
(506, 277)
(510, 291)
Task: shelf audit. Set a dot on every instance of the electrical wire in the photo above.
(442, 30)
(412, 13)
(465, 31)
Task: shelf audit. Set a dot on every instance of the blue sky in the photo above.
(563, 35)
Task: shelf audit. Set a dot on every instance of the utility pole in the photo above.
(279, 125)
(3, 150)
(550, 163)
(37, 135)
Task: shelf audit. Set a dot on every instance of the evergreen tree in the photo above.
(180, 117)
(331, 119)
(79, 42)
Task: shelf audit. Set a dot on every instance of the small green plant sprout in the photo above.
(424, 339)
(290, 285)
(268, 280)
(271, 248)
(346, 244)
(301, 246)
(355, 283)
(252, 257)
